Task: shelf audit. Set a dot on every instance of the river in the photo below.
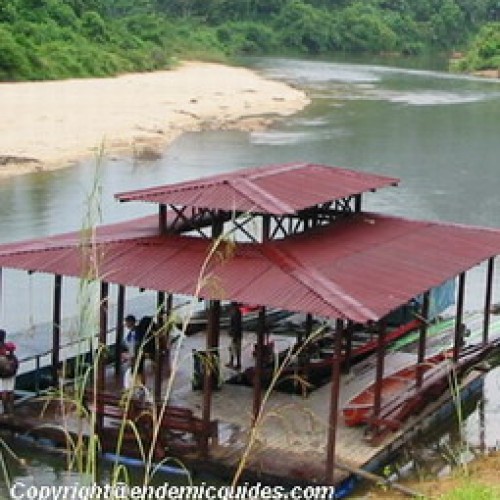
(437, 132)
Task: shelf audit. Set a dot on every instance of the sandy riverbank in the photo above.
(46, 125)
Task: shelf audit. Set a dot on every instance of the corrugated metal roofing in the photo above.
(359, 268)
(273, 189)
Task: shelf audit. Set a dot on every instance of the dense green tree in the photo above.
(63, 38)
(14, 65)
(305, 28)
(485, 50)
(447, 24)
(363, 29)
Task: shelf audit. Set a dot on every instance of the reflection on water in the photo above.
(437, 132)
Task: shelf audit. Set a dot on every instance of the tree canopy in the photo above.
(46, 39)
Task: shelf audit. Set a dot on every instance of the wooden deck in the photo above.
(289, 445)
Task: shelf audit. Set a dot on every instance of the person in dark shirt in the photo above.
(235, 333)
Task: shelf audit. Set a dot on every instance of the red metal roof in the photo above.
(273, 189)
(359, 268)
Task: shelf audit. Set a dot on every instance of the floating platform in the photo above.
(289, 446)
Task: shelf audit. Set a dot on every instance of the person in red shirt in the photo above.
(8, 365)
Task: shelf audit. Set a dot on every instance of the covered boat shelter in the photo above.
(292, 236)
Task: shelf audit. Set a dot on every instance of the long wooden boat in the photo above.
(313, 373)
(400, 394)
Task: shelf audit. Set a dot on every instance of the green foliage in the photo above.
(64, 38)
(94, 27)
(485, 50)
(447, 24)
(14, 64)
(247, 38)
(362, 29)
(304, 28)
(472, 491)
(8, 11)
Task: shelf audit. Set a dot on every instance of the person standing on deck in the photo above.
(133, 341)
(8, 369)
(235, 332)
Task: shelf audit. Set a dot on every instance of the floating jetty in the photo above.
(291, 237)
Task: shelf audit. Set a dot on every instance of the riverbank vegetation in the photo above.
(484, 52)
(48, 39)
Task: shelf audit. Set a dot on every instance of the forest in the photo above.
(53, 39)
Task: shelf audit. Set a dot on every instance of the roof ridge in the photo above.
(302, 273)
(246, 187)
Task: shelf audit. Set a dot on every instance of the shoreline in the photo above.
(54, 124)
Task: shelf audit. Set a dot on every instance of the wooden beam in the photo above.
(266, 228)
(334, 402)
(120, 317)
(162, 218)
(422, 339)
(348, 346)
(159, 355)
(56, 329)
(165, 337)
(259, 365)
(379, 375)
(459, 330)
(357, 203)
(211, 367)
(487, 299)
(101, 359)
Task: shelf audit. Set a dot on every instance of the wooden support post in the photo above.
(379, 375)
(309, 325)
(259, 365)
(334, 402)
(459, 330)
(423, 338)
(348, 346)
(56, 329)
(162, 219)
(211, 369)
(2, 312)
(165, 337)
(159, 354)
(120, 317)
(101, 359)
(305, 358)
(357, 203)
(266, 228)
(487, 299)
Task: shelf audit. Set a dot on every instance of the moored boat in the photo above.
(400, 393)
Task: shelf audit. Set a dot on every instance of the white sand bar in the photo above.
(46, 125)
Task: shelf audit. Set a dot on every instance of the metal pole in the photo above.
(459, 318)
(56, 328)
(120, 315)
(334, 402)
(422, 338)
(487, 299)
